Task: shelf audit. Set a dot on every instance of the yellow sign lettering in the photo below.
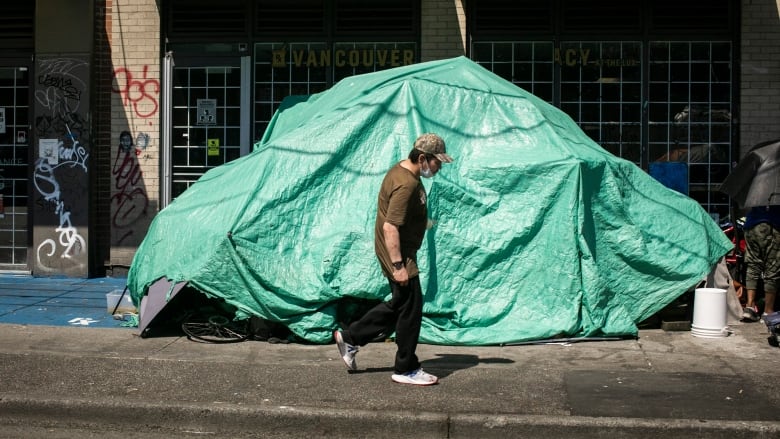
(354, 58)
(381, 57)
(581, 56)
(395, 55)
(571, 57)
(340, 58)
(408, 57)
(584, 54)
(279, 58)
(368, 58)
(357, 57)
(297, 57)
(311, 60)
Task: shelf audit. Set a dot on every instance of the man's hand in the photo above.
(401, 276)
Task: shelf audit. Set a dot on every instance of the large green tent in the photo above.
(539, 233)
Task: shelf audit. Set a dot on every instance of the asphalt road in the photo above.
(82, 381)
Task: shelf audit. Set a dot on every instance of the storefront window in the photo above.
(206, 121)
(600, 84)
(689, 114)
(662, 92)
(601, 89)
(285, 69)
(529, 65)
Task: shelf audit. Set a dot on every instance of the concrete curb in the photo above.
(236, 421)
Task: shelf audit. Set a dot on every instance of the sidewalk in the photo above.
(59, 301)
(663, 384)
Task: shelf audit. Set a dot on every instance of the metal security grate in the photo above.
(220, 19)
(509, 17)
(375, 17)
(304, 17)
(17, 24)
(691, 15)
(506, 19)
(589, 16)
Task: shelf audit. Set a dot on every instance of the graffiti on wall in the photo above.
(60, 176)
(139, 93)
(129, 201)
(69, 242)
(59, 89)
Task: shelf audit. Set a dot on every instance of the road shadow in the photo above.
(445, 364)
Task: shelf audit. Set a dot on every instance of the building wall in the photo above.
(62, 132)
(135, 124)
(133, 29)
(135, 108)
(760, 71)
(101, 156)
(443, 29)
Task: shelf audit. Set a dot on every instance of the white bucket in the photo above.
(709, 313)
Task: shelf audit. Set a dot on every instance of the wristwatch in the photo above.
(398, 265)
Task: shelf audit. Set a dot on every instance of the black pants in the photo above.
(403, 313)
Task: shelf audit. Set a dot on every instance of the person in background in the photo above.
(401, 221)
(762, 257)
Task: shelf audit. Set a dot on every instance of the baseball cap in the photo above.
(430, 143)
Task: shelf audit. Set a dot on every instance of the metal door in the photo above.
(14, 167)
(209, 119)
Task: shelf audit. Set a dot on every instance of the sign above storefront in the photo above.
(581, 57)
(343, 58)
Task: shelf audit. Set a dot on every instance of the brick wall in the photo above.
(135, 118)
(760, 71)
(443, 29)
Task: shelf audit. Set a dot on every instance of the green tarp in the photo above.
(539, 231)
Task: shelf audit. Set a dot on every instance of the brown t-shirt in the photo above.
(403, 203)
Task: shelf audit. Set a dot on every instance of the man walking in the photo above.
(401, 221)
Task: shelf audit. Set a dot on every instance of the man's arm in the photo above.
(393, 243)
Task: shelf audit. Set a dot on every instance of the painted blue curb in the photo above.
(58, 301)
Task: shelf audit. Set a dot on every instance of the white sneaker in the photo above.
(346, 350)
(417, 377)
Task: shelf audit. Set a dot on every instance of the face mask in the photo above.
(426, 172)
